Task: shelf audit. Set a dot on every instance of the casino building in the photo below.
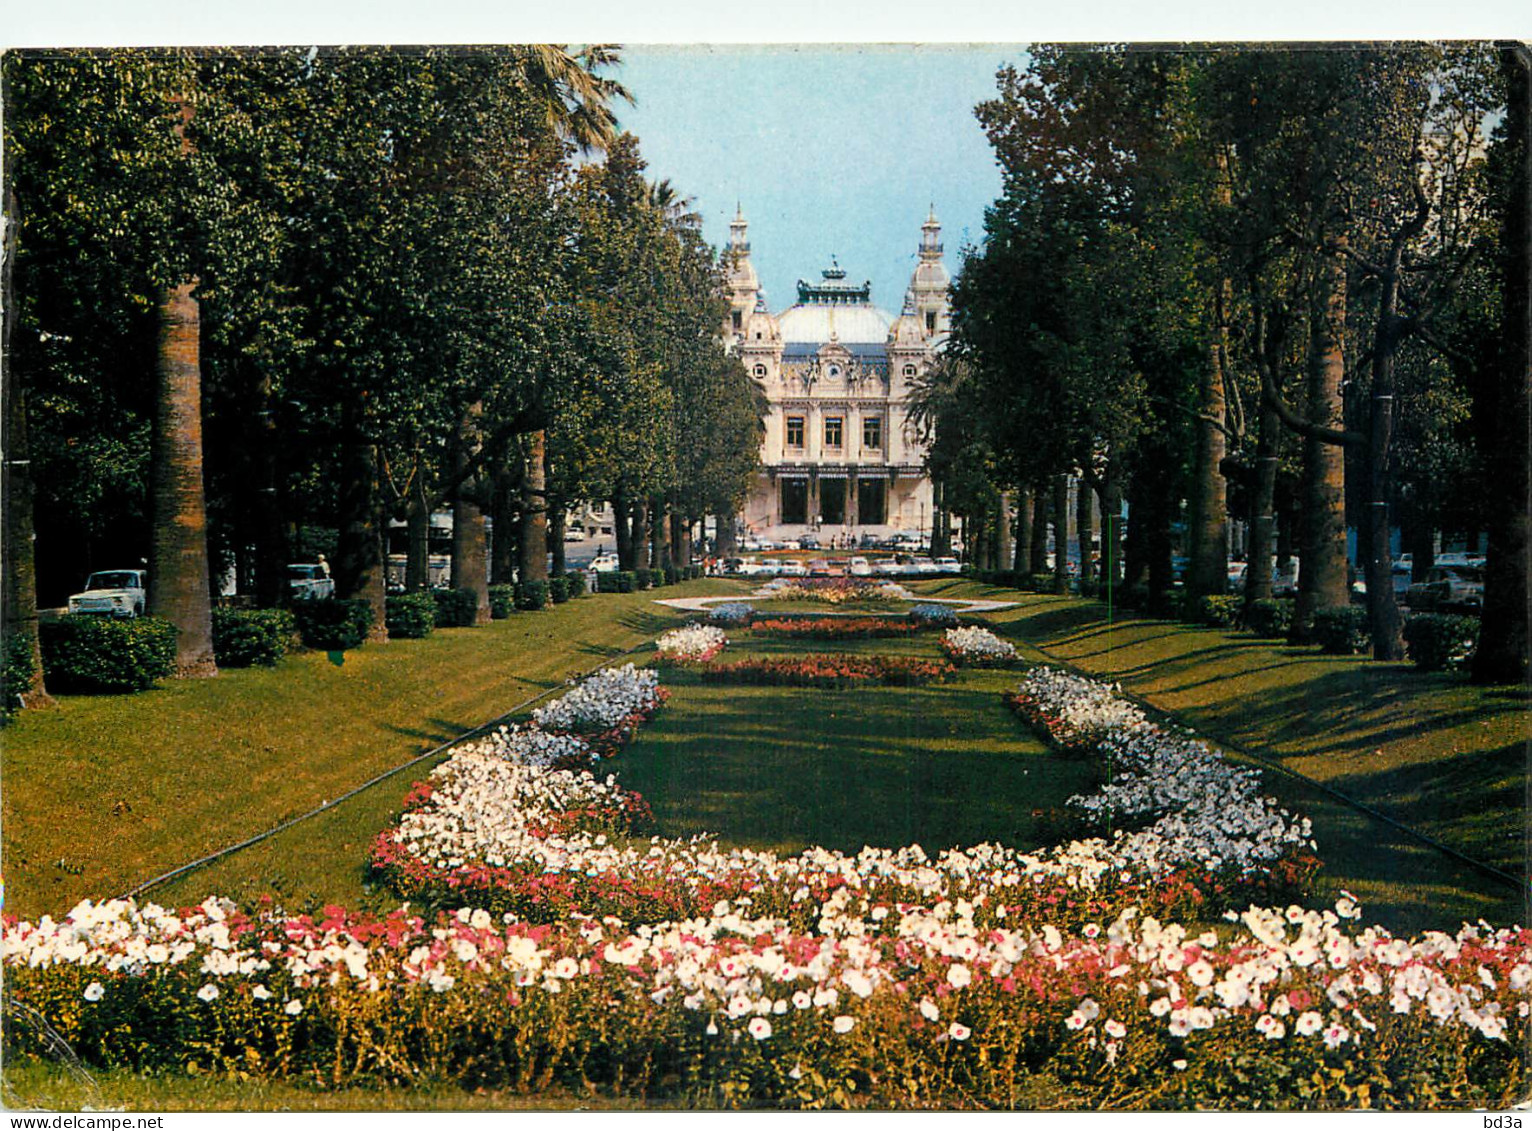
(839, 457)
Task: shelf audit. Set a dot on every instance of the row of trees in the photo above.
(260, 293)
(1283, 285)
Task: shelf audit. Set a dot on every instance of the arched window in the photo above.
(760, 371)
(909, 371)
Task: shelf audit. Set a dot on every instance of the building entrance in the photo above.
(795, 501)
(832, 501)
(871, 502)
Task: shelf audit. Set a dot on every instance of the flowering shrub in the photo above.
(731, 613)
(838, 591)
(1194, 810)
(934, 615)
(836, 627)
(1286, 1008)
(977, 647)
(696, 643)
(603, 700)
(830, 671)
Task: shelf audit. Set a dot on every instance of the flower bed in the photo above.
(604, 701)
(830, 672)
(977, 647)
(731, 614)
(881, 1004)
(838, 591)
(837, 628)
(694, 644)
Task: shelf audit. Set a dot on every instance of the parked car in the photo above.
(948, 565)
(115, 592)
(888, 567)
(925, 566)
(603, 563)
(309, 582)
(751, 544)
(792, 569)
(1448, 587)
(860, 567)
(574, 534)
(807, 542)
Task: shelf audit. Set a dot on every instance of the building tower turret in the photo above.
(744, 286)
(929, 285)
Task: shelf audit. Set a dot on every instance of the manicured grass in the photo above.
(1430, 750)
(104, 792)
(783, 768)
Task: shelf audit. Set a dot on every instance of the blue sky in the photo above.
(830, 149)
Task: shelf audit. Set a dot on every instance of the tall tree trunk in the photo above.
(534, 511)
(506, 544)
(641, 548)
(1060, 510)
(359, 560)
(941, 529)
(724, 540)
(1501, 656)
(417, 522)
(556, 516)
(18, 569)
(681, 539)
(622, 528)
(1263, 525)
(1111, 530)
(1004, 550)
(1207, 571)
(1322, 560)
(659, 534)
(1085, 530)
(270, 529)
(470, 541)
(1021, 553)
(179, 586)
(1039, 550)
(1382, 608)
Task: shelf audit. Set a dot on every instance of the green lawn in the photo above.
(1429, 750)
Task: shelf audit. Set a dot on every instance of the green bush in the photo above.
(410, 616)
(1090, 587)
(1270, 616)
(1341, 630)
(1435, 640)
(614, 581)
(1039, 582)
(1221, 611)
(574, 582)
(558, 590)
(658, 577)
(456, 608)
(16, 677)
(642, 578)
(672, 575)
(531, 595)
(90, 653)
(502, 601)
(245, 637)
(334, 625)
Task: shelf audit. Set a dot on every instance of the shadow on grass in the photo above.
(643, 621)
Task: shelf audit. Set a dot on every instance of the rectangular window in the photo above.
(833, 431)
(795, 431)
(872, 433)
(738, 319)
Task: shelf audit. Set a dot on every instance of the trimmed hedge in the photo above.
(531, 595)
(574, 583)
(16, 676)
(616, 581)
(558, 590)
(1342, 630)
(410, 616)
(104, 654)
(456, 608)
(502, 601)
(243, 638)
(334, 625)
(1435, 640)
(1220, 611)
(1270, 616)
(643, 578)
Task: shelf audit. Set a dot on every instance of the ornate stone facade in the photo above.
(839, 456)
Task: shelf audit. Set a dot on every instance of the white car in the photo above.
(793, 569)
(860, 567)
(309, 583)
(925, 565)
(948, 565)
(888, 568)
(603, 563)
(574, 534)
(116, 592)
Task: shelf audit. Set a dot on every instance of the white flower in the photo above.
(1115, 1028)
(959, 1032)
(260, 993)
(209, 992)
(293, 1008)
(958, 975)
(1309, 1023)
(95, 991)
(843, 1024)
(928, 1009)
(760, 1028)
